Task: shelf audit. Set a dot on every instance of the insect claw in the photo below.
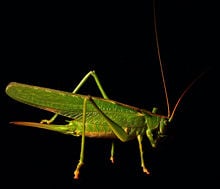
(112, 159)
(76, 174)
(146, 171)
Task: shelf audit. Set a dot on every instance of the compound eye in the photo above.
(164, 121)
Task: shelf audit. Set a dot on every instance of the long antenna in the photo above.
(183, 93)
(161, 66)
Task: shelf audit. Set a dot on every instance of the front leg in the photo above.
(145, 170)
(151, 138)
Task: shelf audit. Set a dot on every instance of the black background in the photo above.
(55, 44)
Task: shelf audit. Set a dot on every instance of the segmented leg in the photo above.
(145, 170)
(81, 159)
(91, 73)
(98, 83)
(112, 152)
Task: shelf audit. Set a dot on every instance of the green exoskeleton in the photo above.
(95, 116)
(92, 116)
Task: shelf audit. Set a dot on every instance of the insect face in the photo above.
(156, 130)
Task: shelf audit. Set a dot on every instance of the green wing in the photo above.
(71, 105)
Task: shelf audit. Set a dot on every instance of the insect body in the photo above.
(91, 116)
(94, 116)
